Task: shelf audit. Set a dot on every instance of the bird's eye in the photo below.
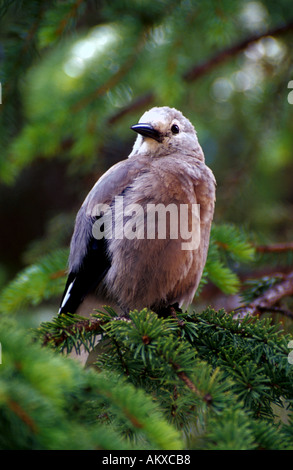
(174, 129)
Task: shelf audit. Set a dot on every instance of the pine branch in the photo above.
(65, 327)
(273, 295)
(283, 311)
(183, 376)
(204, 368)
(228, 245)
(205, 67)
(274, 247)
(72, 13)
(21, 413)
(35, 283)
(49, 402)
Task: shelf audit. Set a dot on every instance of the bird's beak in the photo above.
(146, 130)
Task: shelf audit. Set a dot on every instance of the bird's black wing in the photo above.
(87, 276)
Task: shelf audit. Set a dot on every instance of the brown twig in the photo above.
(283, 311)
(72, 13)
(275, 293)
(182, 375)
(207, 397)
(57, 274)
(275, 247)
(23, 415)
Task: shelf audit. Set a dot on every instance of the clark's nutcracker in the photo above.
(110, 263)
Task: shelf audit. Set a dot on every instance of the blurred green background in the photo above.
(75, 75)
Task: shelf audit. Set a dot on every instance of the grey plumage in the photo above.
(166, 166)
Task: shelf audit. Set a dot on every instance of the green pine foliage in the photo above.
(35, 283)
(254, 288)
(253, 353)
(228, 246)
(201, 381)
(49, 402)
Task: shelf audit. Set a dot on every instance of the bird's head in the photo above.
(164, 131)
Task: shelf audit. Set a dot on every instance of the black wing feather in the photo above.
(93, 269)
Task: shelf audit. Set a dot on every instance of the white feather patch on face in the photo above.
(155, 115)
(143, 145)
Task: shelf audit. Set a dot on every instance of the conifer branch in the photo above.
(205, 67)
(271, 296)
(274, 247)
(182, 376)
(35, 283)
(58, 333)
(18, 410)
(283, 311)
(70, 15)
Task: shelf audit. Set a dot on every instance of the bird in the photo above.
(117, 255)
